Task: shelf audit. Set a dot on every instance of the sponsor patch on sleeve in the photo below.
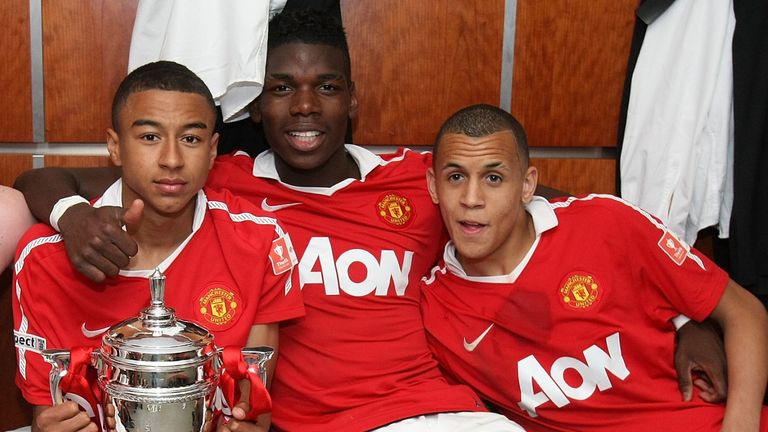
(282, 255)
(28, 342)
(674, 248)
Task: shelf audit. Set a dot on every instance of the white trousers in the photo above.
(454, 422)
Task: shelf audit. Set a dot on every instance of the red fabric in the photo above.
(236, 369)
(76, 379)
(359, 359)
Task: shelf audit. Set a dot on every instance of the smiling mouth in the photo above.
(305, 140)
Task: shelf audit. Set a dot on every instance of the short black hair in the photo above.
(160, 75)
(309, 26)
(482, 120)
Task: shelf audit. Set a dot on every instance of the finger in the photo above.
(132, 216)
(684, 381)
(717, 382)
(117, 250)
(241, 408)
(90, 271)
(91, 257)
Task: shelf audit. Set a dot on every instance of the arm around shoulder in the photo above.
(43, 187)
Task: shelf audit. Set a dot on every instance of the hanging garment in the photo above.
(224, 43)
(676, 157)
(749, 231)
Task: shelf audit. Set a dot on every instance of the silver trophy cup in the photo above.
(157, 373)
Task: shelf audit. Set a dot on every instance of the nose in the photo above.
(304, 102)
(472, 195)
(171, 155)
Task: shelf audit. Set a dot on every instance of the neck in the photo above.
(159, 235)
(506, 261)
(339, 167)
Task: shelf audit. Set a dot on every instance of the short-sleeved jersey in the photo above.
(220, 277)
(579, 335)
(359, 359)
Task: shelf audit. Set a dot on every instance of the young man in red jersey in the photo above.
(365, 230)
(560, 313)
(210, 246)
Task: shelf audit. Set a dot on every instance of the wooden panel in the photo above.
(85, 47)
(11, 165)
(578, 176)
(415, 62)
(76, 161)
(16, 73)
(570, 62)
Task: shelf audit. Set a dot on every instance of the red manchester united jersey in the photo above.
(359, 358)
(579, 336)
(220, 277)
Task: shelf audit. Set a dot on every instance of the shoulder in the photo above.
(407, 156)
(595, 205)
(39, 241)
(226, 208)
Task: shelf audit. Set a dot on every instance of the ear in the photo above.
(431, 185)
(530, 180)
(213, 150)
(353, 103)
(113, 147)
(255, 111)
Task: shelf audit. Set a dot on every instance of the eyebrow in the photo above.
(289, 77)
(489, 165)
(153, 123)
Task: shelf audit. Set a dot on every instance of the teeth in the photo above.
(307, 134)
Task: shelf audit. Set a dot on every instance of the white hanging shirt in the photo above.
(223, 42)
(677, 155)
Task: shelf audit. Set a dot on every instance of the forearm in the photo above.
(43, 187)
(745, 331)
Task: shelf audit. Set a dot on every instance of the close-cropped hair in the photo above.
(312, 27)
(481, 120)
(160, 75)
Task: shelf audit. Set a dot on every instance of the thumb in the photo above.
(243, 406)
(684, 383)
(132, 216)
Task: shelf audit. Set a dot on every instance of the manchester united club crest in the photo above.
(395, 209)
(579, 290)
(218, 305)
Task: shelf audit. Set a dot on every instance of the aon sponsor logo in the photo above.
(375, 274)
(593, 371)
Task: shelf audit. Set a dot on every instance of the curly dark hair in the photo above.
(309, 26)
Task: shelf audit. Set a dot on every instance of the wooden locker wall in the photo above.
(16, 73)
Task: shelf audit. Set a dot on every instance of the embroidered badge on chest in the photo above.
(395, 209)
(580, 290)
(218, 306)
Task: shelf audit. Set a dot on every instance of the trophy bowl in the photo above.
(156, 372)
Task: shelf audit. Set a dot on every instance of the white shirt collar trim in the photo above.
(544, 219)
(367, 161)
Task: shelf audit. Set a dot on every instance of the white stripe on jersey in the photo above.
(24, 324)
(651, 219)
(249, 217)
(431, 278)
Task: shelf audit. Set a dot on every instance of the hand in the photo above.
(94, 239)
(66, 417)
(239, 411)
(700, 361)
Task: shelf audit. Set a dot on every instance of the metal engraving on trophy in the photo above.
(157, 372)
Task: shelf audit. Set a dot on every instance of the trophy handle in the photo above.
(258, 356)
(59, 360)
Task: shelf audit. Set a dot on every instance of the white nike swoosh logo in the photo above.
(92, 333)
(274, 208)
(471, 346)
